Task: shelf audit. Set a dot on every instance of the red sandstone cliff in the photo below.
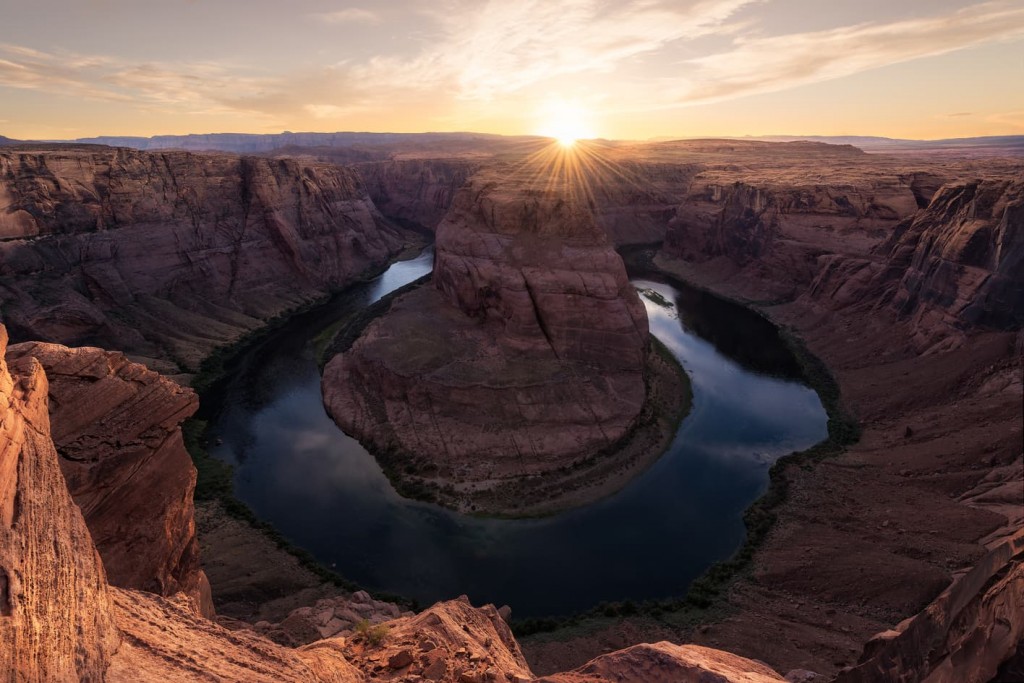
(168, 255)
(778, 231)
(56, 616)
(415, 191)
(527, 355)
(116, 428)
(954, 266)
(630, 199)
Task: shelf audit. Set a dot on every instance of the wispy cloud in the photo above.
(756, 65)
(468, 59)
(188, 87)
(351, 15)
(497, 48)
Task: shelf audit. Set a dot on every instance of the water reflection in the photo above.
(324, 492)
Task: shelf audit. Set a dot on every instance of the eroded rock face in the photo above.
(56, 620)
(116, 426)
(780, 230)
(416, 191)
(964, 636)
(525, 356)
(965, 255)
(631, 200)
(954, 266)
(667, 662)
(168, 255)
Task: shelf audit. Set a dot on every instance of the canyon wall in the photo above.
(169, 255)
(415, 192)
(916, 312)
(526, 355)
(775, 233)
(955, 266)
(116, 428)
(632, 201)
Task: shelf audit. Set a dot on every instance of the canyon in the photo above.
(902, 274)
(168, 256)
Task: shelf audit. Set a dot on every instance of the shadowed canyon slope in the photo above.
(525, 356)
(169, 255)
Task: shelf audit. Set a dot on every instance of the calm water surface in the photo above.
(324, 492)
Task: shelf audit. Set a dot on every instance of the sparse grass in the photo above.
(373, 635)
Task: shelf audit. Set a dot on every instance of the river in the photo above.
(326, 493)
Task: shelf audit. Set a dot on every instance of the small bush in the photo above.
(374, 635)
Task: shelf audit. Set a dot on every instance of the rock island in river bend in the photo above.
(524, 379)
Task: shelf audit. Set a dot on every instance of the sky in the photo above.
(921, 69)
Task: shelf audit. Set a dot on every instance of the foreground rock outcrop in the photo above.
(527, 355)
(964, 636)
(56, 615)
(116, 428)
(169, 255)
(668, 662)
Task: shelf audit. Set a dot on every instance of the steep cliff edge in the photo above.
(168, 255)
(416, 192)
(953, 267)
(631, 200)
(56, 616)
(773, 234)
(528, 355)
(116, 428)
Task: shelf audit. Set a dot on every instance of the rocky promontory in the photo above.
(526, 356)
(116, 428)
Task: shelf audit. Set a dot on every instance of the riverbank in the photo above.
(257, 574)
(668, 398)
(851, 543)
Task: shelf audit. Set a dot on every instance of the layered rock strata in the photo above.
(956, 265)
(116, 426)
(964, 636)
(525, 356)
(56, 615)
(169, 255)
(781, 230)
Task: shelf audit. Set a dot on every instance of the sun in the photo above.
(566, 122)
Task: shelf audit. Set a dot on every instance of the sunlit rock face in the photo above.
(526, 355)
(56, 615)
(116, 427)
(669, 662)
